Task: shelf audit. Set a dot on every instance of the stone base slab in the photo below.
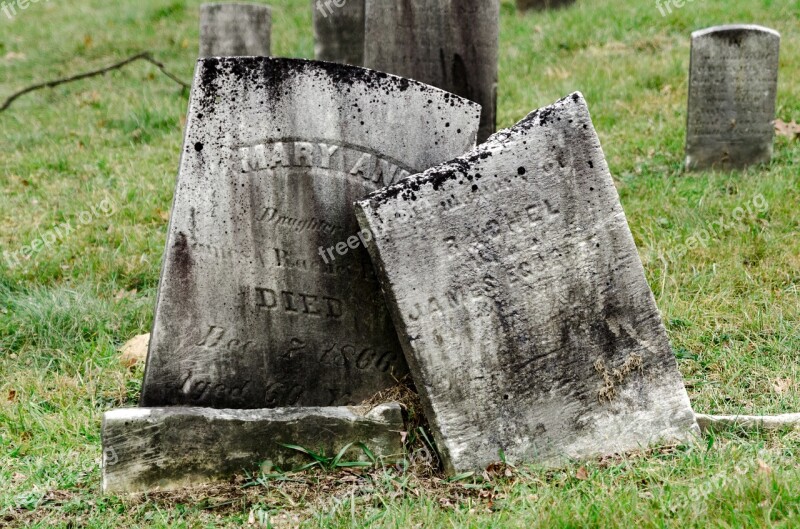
(148, 449)
(717, 423)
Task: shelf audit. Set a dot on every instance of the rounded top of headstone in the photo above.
(342, 73)
(271, 73)
(734, 29)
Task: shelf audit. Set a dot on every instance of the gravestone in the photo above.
(339, 31)
(541, 5)
(534, 332)
(232, 30)
(146, 449)
(450, 44)
(733, 83)
(267, 298)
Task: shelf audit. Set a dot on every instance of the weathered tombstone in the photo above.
(534, 332)
(232, 30)
(541, 5)
(168, 448)
(339, 31)
(267, 298)
(452, 44)
(733, 83)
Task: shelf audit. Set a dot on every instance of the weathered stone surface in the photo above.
(531, 329)
(540, 5)
(339, 31)
(450, 44)
(232, 30)
(733, 83)
(145, 449)
(249, 313)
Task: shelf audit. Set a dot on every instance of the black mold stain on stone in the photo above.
(521, 171)
(270, 73)
(198, 146)
(463, 166)
(734, 37)
(183, 255)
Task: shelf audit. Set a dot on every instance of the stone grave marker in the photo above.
(733, 82)
(232, 30)
(339, 31)
(450, 44)
(534, 332)
(146, 449)
(267, 297)
(541, 5)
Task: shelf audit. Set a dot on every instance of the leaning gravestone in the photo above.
(232, 30)
(733, 83)
(339, 31)
(534, 333)
(267, 298)
(450, 44)
(540, 5)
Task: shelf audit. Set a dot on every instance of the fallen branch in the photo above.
(144, 56)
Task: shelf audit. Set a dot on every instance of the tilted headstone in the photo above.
(339, 31)
(733, 82)
(233, 30)
(541, 5)
(534, 333)
(452, 44)
(267, 297)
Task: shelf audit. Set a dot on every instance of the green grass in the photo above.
(731, 305)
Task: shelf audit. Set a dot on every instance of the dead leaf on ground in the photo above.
(135, 350)
(582, 474)
(783, 385)
(14, 56)
(12, 395)
(789, 130)
(764, 468)
(122, 294)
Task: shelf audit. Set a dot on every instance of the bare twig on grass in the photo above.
(144, 56)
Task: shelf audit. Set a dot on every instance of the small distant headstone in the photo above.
(267, 297)
(541, 5)
(234, 30)
(733, 82)
(339, 31)
(449, 44)
(534, 333)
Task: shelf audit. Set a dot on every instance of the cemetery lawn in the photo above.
(721, 251)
